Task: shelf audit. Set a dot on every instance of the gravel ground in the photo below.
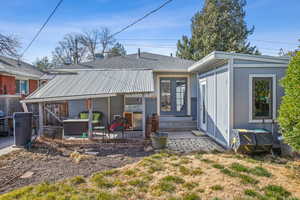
(52, 161)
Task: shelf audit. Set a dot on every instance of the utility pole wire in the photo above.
(142, 18)
(42, 27)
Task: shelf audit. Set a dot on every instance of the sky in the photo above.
(276, 23)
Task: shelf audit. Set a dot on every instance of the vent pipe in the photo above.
(138, 53)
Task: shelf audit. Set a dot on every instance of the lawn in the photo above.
(179, 177)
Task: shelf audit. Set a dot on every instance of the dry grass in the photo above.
(175, 177)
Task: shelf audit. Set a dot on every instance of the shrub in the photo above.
(289, 112)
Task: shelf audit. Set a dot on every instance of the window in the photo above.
(22, 87)
(262, 94)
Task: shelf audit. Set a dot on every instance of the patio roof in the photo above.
(94, 83)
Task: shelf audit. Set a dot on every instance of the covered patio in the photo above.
(86, 102)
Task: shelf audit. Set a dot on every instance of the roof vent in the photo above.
(138, 53)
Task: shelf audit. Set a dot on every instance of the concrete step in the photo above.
(174, 118)
(175, 124)
(181, 129)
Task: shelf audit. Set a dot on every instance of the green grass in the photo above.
(100, 181)
(197, 171)
(184, 171)
(217, 187)
(245, 179)
(190, 185)
(166, 187)
(276, 192)
(248, 179)
(173, 179)
(137, 183)
(260, 171)
(239, 167)
(191, 196)
(130, 172)
(218, 166)
(207, 160)
(77, 180)
(229, 172)
(251, 193)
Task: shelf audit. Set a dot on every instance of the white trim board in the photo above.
(274, 85)
(173, 76)
(260, 66)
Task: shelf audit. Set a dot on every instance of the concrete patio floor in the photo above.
(185, 142)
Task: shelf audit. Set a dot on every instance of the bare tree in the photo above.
(9, 45)
(106, 40)
(89, 39)
(69, 50)
(97, 40)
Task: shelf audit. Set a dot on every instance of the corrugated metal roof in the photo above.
(90, 83)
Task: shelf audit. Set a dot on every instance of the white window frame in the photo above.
(274, 111)
(27, 85)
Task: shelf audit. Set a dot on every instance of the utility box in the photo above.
(22, 128)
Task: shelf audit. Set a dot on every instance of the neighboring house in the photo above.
(216, 92)
(17, 80)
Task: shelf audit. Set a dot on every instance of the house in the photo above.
(220, 92)
(238, 91)
(17, 80)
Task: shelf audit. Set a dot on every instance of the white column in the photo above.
(90, 123)
(108, 110)
(144, 115)
(41, 119)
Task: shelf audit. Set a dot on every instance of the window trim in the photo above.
(27, 86)
(274, 85)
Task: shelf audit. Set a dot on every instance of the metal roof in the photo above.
(94, 83)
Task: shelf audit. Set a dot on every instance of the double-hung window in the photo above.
(262, 97)
(22, 87)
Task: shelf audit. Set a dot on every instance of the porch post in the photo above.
(90, 122)
(108, 110)
(144, 115)
(41, 119)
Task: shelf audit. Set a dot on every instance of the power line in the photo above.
(42, 27)
(142, 18)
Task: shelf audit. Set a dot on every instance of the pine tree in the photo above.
(289, 112)
(220, 26)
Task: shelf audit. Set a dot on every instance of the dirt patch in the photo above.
(53, 160)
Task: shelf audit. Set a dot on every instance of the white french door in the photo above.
(203, 104)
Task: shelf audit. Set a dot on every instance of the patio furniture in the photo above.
(118, 125)
(80, 126)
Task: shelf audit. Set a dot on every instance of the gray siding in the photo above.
(241, 95)
(217, 105)
(99, 104)
(151, 106)
(116, 106)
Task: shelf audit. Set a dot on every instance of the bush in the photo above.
(289, 112)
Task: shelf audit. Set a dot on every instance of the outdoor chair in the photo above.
(118, 125)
